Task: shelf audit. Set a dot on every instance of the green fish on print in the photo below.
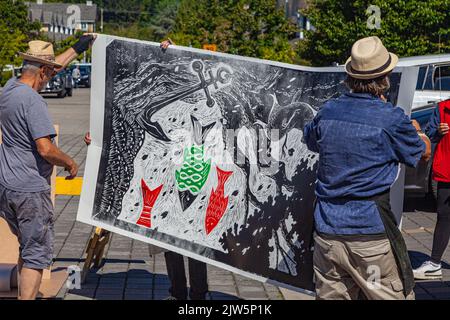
(194, 172)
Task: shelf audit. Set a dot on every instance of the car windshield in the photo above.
(85, 70)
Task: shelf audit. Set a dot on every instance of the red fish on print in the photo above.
(149, 197)
(217, 202)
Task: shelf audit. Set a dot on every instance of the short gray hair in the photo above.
(31, 67)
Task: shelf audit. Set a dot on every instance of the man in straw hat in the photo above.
(361, 139)
(27, 157)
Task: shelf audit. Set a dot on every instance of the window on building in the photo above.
(303, 22)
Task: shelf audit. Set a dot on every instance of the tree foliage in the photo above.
(255, 28)
(15, 31)
(408, 27)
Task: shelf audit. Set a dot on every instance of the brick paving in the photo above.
(130, 272)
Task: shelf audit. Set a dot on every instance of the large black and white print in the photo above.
(203, 152)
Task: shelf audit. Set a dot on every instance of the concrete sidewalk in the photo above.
(129, 272)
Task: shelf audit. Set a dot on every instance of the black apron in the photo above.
(398, 244)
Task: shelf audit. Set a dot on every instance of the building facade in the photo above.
(61, 20)
(292, 11)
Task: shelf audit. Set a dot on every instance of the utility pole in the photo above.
(287, 8)
(101, 20)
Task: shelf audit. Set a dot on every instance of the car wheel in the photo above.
(62, 93)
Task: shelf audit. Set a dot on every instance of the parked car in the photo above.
(85, 71)
(433, 83)
(61, 84)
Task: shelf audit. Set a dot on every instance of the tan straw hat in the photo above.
(370, 59)
(41, 52)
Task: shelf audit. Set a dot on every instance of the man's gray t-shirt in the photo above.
(24, 118)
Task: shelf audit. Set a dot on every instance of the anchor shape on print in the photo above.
(144, 120)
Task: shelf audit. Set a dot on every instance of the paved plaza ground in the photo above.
(130, 272)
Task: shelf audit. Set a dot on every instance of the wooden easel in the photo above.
(95, 251)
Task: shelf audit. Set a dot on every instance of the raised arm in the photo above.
(72, 53)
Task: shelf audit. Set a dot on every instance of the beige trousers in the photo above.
(361, 267)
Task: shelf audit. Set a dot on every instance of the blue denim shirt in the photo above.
(361, 140)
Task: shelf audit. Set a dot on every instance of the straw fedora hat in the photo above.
(370, 59)
(41, 52)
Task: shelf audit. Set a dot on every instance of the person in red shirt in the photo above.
(438, 132)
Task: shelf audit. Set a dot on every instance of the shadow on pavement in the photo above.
(104, 261)
(135, 284)
(417, 258)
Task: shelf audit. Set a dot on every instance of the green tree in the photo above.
(255, 28)
(164, 19)
(15, 32)
(408, 28)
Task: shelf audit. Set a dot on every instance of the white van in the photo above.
(433, 84)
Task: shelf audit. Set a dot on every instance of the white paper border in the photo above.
(85, 209)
